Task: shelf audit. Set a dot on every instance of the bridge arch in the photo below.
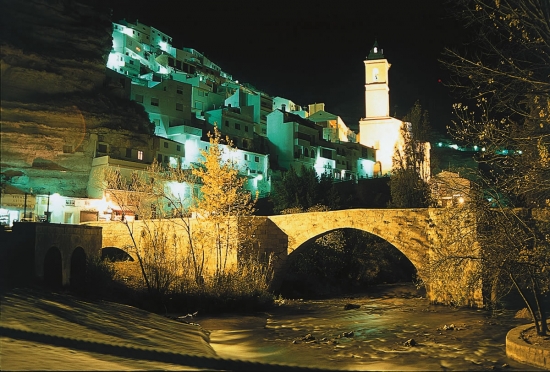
(405, 229)
(116, 254)
(77, 273)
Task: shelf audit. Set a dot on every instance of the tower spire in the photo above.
(375, 51)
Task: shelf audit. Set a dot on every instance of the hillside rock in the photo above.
(55, 93)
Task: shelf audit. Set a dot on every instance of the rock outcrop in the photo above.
(55, 93)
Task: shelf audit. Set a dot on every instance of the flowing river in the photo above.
(392, 328)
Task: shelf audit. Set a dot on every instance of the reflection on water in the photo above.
(377, 335)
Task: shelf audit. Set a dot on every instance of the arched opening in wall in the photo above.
(344, 261)
(53, 268)
(78, 269)
(377, 169)
(115, 254)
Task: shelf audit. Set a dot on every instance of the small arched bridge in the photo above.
(55, 253)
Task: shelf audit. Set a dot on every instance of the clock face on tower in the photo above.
(375, 74)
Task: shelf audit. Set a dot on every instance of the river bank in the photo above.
(371, 334)
(108, 324)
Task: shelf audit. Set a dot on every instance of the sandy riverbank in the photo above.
(129, 330)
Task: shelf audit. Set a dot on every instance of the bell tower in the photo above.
(377, 90)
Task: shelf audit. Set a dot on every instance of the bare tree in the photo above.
(503, 78)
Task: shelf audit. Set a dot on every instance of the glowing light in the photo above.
(454, 147)
(177, 189)
(461, 200)
(483, 149)
(475, 147)
(56, 201)
(440, 144)
(520, 152)
(260, 177)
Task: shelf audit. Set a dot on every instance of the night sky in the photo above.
(315, 53)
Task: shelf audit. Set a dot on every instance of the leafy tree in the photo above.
(208, 203)
(503, 78)
(408, 181)
(223, 201)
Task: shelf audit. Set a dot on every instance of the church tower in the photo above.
(377, 90)
(377, 129)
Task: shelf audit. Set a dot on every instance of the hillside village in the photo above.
(184, 95)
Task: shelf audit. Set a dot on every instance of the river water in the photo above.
(370, 336)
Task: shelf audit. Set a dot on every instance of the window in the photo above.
(237, 126)
(154, 101)
(201, 93)
(257, 159)
(179, 89)
(198, 105)
(312, 153)
(227, 123)
(159, 158)
(140, 155)
(102, 147)
(139, 98)
(67, 149)
(375, 74)
(178, 148)
(264, 131)
(131, 61)
(128, 153)
(179, 106)
(165, 145)
(166, 159)
(129, 42)
(246, 128)
(245, 156)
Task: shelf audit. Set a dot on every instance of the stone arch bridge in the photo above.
(417, 233)
(414, 232)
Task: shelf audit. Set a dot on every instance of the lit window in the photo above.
(140, 155)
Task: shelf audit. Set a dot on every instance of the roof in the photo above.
(322, 115)
(375, 52)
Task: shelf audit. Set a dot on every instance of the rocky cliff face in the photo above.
(54, 93)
